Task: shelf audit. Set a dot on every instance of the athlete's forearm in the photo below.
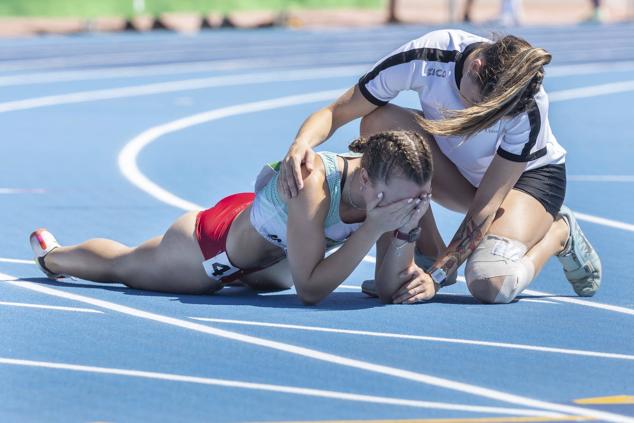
(323, 123)
(317, 128)
(471, 232)
(497, 182)
(398, 256)
(330, 272)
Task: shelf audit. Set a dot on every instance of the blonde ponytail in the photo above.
(512, 74)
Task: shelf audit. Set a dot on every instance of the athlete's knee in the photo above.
(132, 268)
(498, 270)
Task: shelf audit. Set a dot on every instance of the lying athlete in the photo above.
(350, 200)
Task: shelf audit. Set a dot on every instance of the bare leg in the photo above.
(522, 218)
(95, 259)
(171, 263)
(553, 243)
(430, 243)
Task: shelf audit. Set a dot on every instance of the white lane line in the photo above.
(325, 357)
(356, 288)
(610, 307)
(577, 301)
(529, 300)
(600, 178)
(605, 222)
(178, 86)
(128, 155)
(295, 390)
(50, 307)
(22, 191)
(588, 68)
(210, 66)
(592, 91)
(16, 261)
(422, 338)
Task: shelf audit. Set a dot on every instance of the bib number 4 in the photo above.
(219, 267)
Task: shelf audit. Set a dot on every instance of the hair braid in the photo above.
(391, 153)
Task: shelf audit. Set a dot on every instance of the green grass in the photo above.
(96, 8)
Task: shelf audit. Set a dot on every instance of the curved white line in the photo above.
(129, 168)
(323, 356)
(319, 393)
(128, 156)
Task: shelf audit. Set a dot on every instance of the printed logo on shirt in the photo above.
(274, 238)
(442, 73)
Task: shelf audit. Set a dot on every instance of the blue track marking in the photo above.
(70, 152)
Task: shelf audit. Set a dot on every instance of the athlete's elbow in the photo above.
(309, 299)
(307, 295)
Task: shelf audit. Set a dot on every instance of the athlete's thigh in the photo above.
(522, 218)
(177, 259)
(449, 188)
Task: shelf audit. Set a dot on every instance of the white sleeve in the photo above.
(403, 69)
(524, 138)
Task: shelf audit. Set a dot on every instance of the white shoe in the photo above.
(42, 243)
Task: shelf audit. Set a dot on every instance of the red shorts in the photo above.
(212, 229)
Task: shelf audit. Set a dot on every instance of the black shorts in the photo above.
(547, 184)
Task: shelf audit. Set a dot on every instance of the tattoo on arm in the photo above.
(463, 243)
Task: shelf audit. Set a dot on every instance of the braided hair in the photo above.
(391, 153)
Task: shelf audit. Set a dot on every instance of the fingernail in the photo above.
(418, 201)
(380, 195)
(409, 201)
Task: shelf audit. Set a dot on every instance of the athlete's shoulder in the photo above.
(447, 39)
(535, 114)
(315, 180)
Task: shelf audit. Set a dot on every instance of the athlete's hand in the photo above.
(291, 181)
(419, 211)
(392, 216)
(418, 286)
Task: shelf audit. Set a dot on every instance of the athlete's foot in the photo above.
(582, 265)
(42, 243)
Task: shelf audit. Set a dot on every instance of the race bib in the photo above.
(219, 267)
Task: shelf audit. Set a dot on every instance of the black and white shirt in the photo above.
(432, 66)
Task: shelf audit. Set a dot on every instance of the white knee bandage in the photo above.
(500, 261)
